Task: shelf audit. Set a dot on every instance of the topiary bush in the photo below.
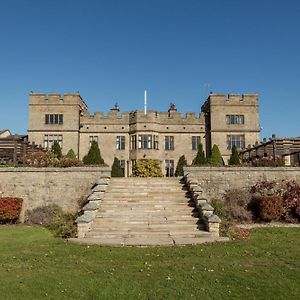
(200, 158)
(147, 168)
(56, 149)
(71, 154)
(116, 170)
(94, 156)
(179, 168)
(10, 209)
(234, 158)
(216, 157)
(52, 217)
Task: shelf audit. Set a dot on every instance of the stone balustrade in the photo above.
(90, 209)
(206, 211)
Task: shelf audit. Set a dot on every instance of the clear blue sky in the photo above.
(112, 50)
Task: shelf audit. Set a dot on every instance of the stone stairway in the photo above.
(146, 211)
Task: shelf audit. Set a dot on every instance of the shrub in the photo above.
(10, 209)
(237, 204)
(200, 158)
(41, 159)
(56, 149)
(94, 156)
(291, 198)
(147, 168)
(234, 158)
(269, 188)
(66, 162)
(268, 162)
(179, 168)
(221, 212)
(71, 154)
(52, 217)
(216, 157)
(269, 208)
(116, 170)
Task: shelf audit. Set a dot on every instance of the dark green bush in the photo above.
(116, 170)
(200, 158)
(52, 217)
(179, 168)
(234, 158)
(216, 157)
(94, 156)
(56, 150)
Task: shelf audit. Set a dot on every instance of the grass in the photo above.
(34, 265)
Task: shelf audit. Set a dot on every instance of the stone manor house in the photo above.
(225, 120)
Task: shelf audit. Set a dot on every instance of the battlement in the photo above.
(57, 99)
(152, 116)
(231, 99)
(164, 117)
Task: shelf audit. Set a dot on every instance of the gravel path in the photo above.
(271, 224)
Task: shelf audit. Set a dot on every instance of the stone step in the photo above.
(144, 226)
(146, 211)
(170, 219)
(143, 206)
(152, 235)
(166, 241)
(134, 194)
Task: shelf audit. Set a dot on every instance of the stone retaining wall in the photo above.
(44, 186)
(214, 181)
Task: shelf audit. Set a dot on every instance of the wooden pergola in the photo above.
(14, 147)
(277, 148)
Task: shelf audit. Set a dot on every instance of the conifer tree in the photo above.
(94, 156)
(200, 158)
(179, 168)
(71, 154)
(56, 149)
(234, 158)
(216, 157)
(116, 170)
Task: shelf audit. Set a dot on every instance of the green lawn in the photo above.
(34, 265)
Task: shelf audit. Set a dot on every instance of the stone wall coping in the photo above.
(240, 169)
(56, 170)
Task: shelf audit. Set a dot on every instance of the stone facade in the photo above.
(130, 136)
(44, 186)
(214, 181)
(231, 119)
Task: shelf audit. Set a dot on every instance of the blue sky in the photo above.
(112, 50)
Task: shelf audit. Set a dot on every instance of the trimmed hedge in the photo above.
(147, 168)
(10, 209)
